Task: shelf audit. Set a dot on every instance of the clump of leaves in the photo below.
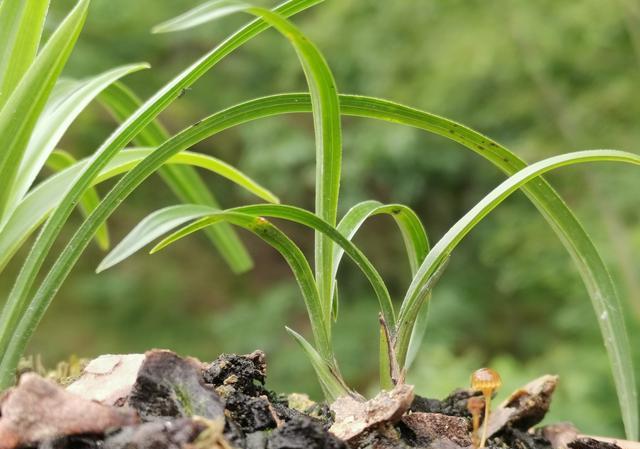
(402, 326)
(36, 109)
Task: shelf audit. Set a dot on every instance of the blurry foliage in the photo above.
(542, 77)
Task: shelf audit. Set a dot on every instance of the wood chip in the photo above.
(353, 417)
(526, 407)
(108, 379)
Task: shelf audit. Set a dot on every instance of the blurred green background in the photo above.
(541, 77)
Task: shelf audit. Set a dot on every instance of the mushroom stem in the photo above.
(476, 426)
(475, 405)
(487, 407)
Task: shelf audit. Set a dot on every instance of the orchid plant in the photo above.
(36, 107)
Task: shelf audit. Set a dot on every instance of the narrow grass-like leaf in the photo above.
(22, 311)
(306, 218)
(416, 244)
(609, 313)
(200, 15)
(37, 205)
(410, 226)
(183, 181)
(152, 227)
(332, 385)
(326, 117)
(417, 333)
(200, 160)
(289, 250)
(23, 107)
(68, 99)
(60, 160)
(21, 25)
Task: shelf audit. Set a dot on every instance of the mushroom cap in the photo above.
(485, 379)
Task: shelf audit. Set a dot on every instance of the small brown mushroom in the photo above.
(475, 405)
(486, 381)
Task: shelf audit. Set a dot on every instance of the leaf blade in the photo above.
(332, 386)
(289, 250)
(40, 201)
(152, 227)
(416, 244)
(325, 109)
(67, 100)
(185, 182)
(609, 312)
(23, 107)
(306, 218)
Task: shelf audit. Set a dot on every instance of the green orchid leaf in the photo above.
(291, 253)
(67, 100)
(185, 182)
(326, 116)
(40, 201)
(312, 221)
(413, 232)
(152, 227)
(22, 108)
(417, 246)
(609, 312)
(332, 385)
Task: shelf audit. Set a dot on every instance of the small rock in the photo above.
(251, 414)
(39, 410)
(169, 386)
(430, 427)
(108, 379)
(245, 373)
(353, 417)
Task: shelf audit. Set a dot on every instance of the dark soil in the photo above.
(184, 404)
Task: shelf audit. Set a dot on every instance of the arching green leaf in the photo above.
(22, 108)
(68, 99)
(326, 116)
(609, 312)
(312, 221)
(184, 181)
